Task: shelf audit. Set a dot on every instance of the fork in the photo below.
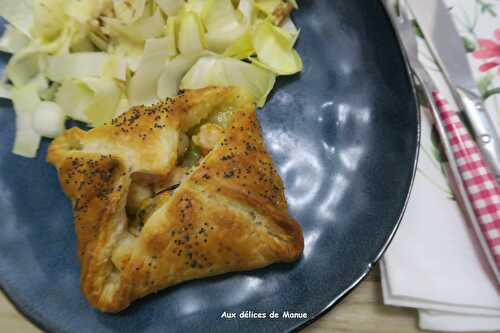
(476, 188)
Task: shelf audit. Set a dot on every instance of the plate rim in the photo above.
(43, 327)
(369, 267)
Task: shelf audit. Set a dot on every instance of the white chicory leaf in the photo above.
(73, 97)
(106, 99)
(242, 48)
(129, 51)
(289, 26)
(83, 65)
(19, 13)
(197, 6)
(190, 37)
(48, 120)
(218, 71)
(268, 6)
(171, 35)
(170, 7)
(224, 26)
(172, 74)
(49, 19)
(84, 11)
(247, 8)
(13, 40)
(26, 101)
(145, 28)
(92, 100)
(274, 49)
(142, 87)
(25, 65)
(129, 10)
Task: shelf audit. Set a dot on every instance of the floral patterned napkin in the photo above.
(434, 263)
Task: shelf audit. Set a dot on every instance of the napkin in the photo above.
(434, 263)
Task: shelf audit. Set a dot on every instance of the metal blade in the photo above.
(445, 42)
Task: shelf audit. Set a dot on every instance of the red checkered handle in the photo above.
(482, 189)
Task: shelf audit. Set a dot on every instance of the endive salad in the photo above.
(90, 60)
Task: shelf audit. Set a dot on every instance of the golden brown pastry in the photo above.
(151, 210)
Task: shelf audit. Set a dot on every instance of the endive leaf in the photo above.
(274, 49)
(18, 13)
(247, 8)
(26, 101)
(13, 40)
(73, 97)
(197, 6)
(25, 65)
(242, 48)
(190, 37)
(146, 27)
(128, 10)
(223, 24)
(104, 104)
(83, 65)
(170, 7)
(48, 120)
(142, 88)
(172, 74)
(219, 71)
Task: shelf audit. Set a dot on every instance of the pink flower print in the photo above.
(490, 51)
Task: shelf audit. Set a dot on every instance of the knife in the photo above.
(447, 48)
(476, 187)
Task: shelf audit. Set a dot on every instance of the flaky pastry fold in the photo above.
(228, 214)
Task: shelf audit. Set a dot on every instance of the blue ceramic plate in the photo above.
(344, 135)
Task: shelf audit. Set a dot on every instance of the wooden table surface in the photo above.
(361, 312)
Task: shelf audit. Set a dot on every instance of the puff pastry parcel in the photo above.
(149, 215)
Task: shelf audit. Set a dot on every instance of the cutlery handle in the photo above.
(483, 128)
(479, 182)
